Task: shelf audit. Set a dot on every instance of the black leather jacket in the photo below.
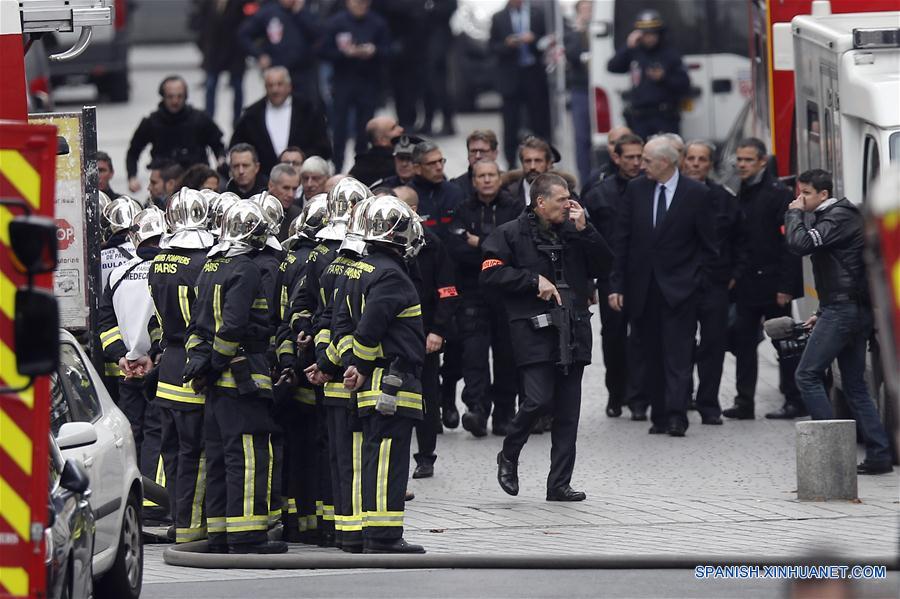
(833, 239)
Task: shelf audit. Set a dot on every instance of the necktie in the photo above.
(660, 206)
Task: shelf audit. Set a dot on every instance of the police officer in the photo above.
(300, 478)
(544, 263)
(125, 312)
(404, 167)
(227, 342)
(483, 324)
(620, 353)
(659, 79)
(384, 359)
(173, 279)
(769, 277)
(433, 274)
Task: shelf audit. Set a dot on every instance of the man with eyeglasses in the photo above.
(481, 144)
(438, 197)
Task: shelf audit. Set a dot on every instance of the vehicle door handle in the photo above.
(88, 461)
(120, 441)
(721, 86)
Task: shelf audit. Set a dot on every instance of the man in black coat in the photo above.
(521, 79)
(482, 322)
(218, 22)
(543, 264)
(246, 177)
(377, 162)
(175, 131)
(664, 243)
(620, 351)
(712, 310)
(438, 198)
(281, 120)
(769, 277)
(481, 144)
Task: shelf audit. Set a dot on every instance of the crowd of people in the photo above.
(275, 330)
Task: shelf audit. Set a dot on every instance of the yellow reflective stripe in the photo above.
(109, 337)
(323, 336)
(183, 393)
(374, 388)
(320, 508)
(249, 474)
(15, 581)
(291, 505)
(384, 518)
(367, 352)
(384, 464)
(411, 312)
(199, 494)
(328, 512)
(193, 341)
(332, 355)
(286, 348)
(352, 523)
(18, 171)
(260, 304)
(337, 390)
(227, 380)
(215, 524)
(344, 345)
(186, 535)
(283, 303)
(242, 524)
(156, 334)
(356, 484)
(111, 369)
(184, 304)
(272, 515)
(15, 511)
(322, 295)
(305, 395)
(15, 442)
(217, 307)
(225, 347)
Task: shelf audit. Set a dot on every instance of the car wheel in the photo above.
(124, 580)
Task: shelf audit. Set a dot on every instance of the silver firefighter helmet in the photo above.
(341, 200)
(355, 240)
(147, 224)
(311, 219)
(119, 214)
(272, 210)
(187, 209)
(244, 223)
(391, 221)
(217, 211)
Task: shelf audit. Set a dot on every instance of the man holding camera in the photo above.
(830, 232)
(544, 264)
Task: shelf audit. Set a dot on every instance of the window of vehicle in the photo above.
(84, 404)
(59, 407)
(894, 147)
(871, 166)
(813, 135)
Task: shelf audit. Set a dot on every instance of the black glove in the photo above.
(194, 369)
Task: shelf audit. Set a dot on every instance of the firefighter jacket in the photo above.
(125, 311)
(230, 319)
(292, 269)
(516, 253)
(432, 273)
(307, 302)
(378, 328)
(269, 262)
(173, 279)
(117, 250)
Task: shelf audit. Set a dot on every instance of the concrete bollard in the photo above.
(826, 460)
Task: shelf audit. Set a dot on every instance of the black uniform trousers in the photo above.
(237, 432)
(634, 358)
(532, 94)
(356, 98)
(427, 428)
(548, 391)
(345, 456)
(667, 343)
(187, 488)
(614, 340)
(709, 354)
(300, 471)
(325, 498)
(484, 329)
(277, 500)
(451, 371)
(746, 335)
(385, 464)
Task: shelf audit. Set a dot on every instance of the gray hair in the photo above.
(665, 148)
(317, 166)
(676, 140)
(422, 148)
(279, 70)
(281, 170)
(704, 143)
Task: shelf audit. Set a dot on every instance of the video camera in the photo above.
(790, 337)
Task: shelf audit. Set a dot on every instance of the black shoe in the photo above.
(409, 496)
(326, 539)
(170, 533)
(565, 493)
(874, 468)
(711, 420)
(507, 475)
(308, 537)
(291, 535)
(475, 423)
(639, 415)
(537, 428)
(787, 412)
(352, 548)
(676, 429)
(500, 427)
(398, 546)
(216, 548)
(450, 416)
(266, 548)
(692, 406)
(657, 430)
(547, 422)
(423, 471)
(613, 410)
(739, 413)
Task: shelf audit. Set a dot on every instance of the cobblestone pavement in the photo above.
(721, 492)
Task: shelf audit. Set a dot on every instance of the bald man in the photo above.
(378, 161)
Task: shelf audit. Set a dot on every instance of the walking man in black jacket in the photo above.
(543, 263)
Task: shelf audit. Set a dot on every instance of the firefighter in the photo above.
(217, 208)
(383, 358)
(173, 277)
(125, 312)
(304, 317)
(228, 338)
(299, 480)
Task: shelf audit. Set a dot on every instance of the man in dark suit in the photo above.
(279, 120)
(664, 241)
(521, 79)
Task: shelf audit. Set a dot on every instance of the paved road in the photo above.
(722, 491)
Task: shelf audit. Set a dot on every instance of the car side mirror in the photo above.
(33, 242)
(76, 434)
(74, 478)
(36, 332)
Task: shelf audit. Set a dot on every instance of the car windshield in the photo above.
(894, 145)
